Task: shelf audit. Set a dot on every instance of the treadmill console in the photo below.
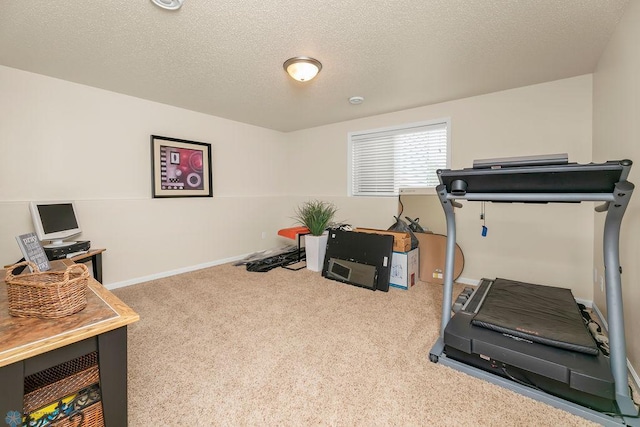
(550, 178)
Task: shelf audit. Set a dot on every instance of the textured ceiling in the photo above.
(225, 57)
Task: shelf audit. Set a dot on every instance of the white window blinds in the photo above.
(384, 160)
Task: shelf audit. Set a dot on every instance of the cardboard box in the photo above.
(401, 241)
(432, 257)
(404, 269)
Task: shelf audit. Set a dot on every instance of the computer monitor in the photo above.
(55, 221)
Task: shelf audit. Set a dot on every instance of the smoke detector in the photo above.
(356, 100)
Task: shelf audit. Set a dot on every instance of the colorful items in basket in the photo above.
(49, 294)
(70, 407)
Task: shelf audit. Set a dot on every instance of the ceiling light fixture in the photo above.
(168, 4)
(302, 68)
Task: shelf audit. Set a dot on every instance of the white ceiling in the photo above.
(224, 57)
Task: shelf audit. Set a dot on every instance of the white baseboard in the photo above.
(466, 281)
(173, 272)
(603, 321)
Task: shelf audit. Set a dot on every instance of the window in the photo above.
(381, 161)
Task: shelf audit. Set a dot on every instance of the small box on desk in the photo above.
(404, 269)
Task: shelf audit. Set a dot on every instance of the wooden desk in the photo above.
(30, 345)
(95, 256)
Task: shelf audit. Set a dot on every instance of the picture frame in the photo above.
(180, 168)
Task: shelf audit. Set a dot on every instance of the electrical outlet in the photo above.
(264, 235)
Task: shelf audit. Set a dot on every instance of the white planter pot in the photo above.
(315, 248)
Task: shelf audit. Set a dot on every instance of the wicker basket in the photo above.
(59, 381)
(49, 294)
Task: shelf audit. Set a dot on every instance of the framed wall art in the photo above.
(180, 168)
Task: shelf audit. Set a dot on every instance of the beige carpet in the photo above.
(223, 346)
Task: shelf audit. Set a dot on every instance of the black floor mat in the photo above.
(542, 314)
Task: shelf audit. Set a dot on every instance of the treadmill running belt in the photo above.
(542, 314)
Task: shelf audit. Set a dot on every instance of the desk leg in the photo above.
(11, 390)
(112, 359)
(97, 267)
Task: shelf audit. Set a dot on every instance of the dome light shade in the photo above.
(302, 68)
(168, 4)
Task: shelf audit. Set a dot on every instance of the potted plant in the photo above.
(316, 215)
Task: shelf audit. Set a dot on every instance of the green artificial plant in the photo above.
(316, 215)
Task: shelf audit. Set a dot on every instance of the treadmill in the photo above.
(541, 349)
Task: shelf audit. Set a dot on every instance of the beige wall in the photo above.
(616, 135)
(92, 146)
(61, 140)
(540, 243)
